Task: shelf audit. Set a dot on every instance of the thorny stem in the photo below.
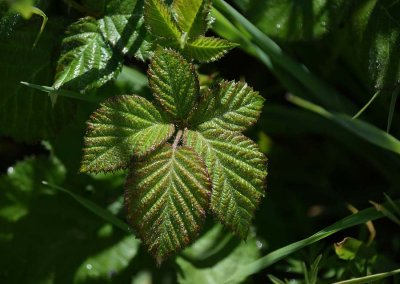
(177, 139)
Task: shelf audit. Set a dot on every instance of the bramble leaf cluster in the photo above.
(182, 27)
(185, 153)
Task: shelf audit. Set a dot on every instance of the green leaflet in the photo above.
(182, 27)
(159, 20)
(87, 61)
(207, 49)
(192, 16)
(167, 196)
(174, 83)
(237, 170)
(123, 27)
(122, 127)
(26, 114)
(229, 106)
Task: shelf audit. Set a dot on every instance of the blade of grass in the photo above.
(370, 278)
(360, 128)
(324, 93)
(91, 206)
(40, 13)
(367, 105)
(63, 93)
(392, 108)
(361, 217)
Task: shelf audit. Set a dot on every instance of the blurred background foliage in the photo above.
(336, 54)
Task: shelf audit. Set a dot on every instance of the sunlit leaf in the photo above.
(230, 106)
(238, 171)
(174, 83)
(167, 196)
(159, 20)
(192, 16)
(207, 49)
(124, 126)
(87, 61)
(123, 27)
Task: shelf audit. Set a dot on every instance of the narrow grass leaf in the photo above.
(360, 128)
(370, 278)
(359, 218)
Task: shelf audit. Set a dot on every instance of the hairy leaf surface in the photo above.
(207, 49)
(237, 170)
(159, 20)
(295, 20)
(87, 61)
(375, 34)
(167, 196)
(174, 83)
(27, 114)
(231, 106)
(124, 126)
(192, 16)
(123, 27)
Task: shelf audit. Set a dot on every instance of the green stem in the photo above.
(367, 105)
(177, 139)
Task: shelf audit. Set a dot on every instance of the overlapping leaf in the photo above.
(174, 83)
(230, 106)
(237, 170)
(87, 61)
(192, 16)
(124, 126)
(167, 196)
(160, 21)
(123, 27)
(207, 49)
(182, 27)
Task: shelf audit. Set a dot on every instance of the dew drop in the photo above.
(89, 266)
(259, 244)
(10, 170)
(278, 26)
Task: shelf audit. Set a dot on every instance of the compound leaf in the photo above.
(159, 20)
(231, 106)
(207, 49)
(167, 196)
(122, 127)
(174, 83)
(192, 16)
(87, 61)
(237, 170)
(123, 27)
